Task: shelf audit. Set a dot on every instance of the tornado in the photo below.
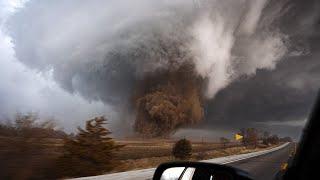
(168, 101)
(158, 63)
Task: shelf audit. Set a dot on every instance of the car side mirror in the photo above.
(198, 171)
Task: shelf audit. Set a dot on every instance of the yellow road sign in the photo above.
(238, 137)
(284, 166)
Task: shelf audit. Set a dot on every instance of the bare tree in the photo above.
(250, 136)
(224, 141)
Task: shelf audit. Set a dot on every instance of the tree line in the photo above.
(34, 149)
(253, 137)
(26, 150)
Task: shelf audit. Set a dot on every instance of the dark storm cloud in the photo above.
(259, 57)
(100, 49)
(285, 94)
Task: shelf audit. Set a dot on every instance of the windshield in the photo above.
(101, 87)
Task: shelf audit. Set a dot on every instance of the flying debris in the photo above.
(168, 101)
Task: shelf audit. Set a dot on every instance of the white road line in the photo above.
(234, 158)
(148, 173)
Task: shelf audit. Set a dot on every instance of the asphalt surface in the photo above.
(265, 167)
(261, 165)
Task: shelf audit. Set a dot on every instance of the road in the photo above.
(262, 165)
(265, 167)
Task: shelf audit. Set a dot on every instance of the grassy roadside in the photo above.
(137, 154)
(153, 156)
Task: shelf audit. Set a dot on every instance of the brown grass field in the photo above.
(140, 154)
(159, 148)
(136, 154)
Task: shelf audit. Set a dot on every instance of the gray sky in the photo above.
(28, 90)
(73, 60)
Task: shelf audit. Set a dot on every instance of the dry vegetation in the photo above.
(146, 154)
(33, 150)
(160, 147)
(136, 154)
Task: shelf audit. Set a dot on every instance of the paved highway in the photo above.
(262, 165)
(265, 167)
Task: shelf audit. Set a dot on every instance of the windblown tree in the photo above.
(286, 139)
(25, 153)
(274, 139)
(265, 138)
(250, 136)
(90, 152)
